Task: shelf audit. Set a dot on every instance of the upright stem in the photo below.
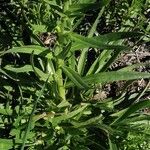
(59, 80)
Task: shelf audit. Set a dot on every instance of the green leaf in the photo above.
(6, 74)
(6, 144)
(27, 68)
(74, 77)
(140, 119)
(134, 66)
(38, 28)
(94, 120)
(56, 120)
(114, 76)
(117, 36)
(38, 50)
(99, 62)
(65, 51)
(132, 109)
(112, 145)
(102, 40)
(64, 103)
(83, 7)
(54, 5)
(105, 77)
(84, 53)
(85, 42)
(6, 111)
(31, 117)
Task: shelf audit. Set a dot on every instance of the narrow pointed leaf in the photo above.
(102, 40)
(6, 74)
(135, 120)
(84, 53)
(112, 145)
(115, 76)
(106, 77)
(83, 7)
(54, 5)
(85, 42)
(74, 77)
(117, 36)
(57, 120)
(94, 120)
(25, 69)
(132, 109)
(65, 51)
(38, 50)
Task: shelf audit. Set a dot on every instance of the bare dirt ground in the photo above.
(140, 54)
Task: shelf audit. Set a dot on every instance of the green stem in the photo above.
(59, 80)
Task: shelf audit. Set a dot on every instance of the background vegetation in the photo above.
(76, 94)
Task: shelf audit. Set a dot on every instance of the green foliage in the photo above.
(47, 93)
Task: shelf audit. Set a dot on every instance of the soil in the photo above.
(140, 54)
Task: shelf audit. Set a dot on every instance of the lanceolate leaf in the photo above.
(30, 120)
(6, 74)
(134, 66)
(112, 145)
(102, 40)
(57, 120)
(117, 36)
(105, 77)
(115, 76)
(74, 77)
(84, 53)
(38, 50)
(83, 7)
(94, 120)
(54, 5)
(132, 109)
(85, 42)
(135, 120)
(25, 69)
(65, 51)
